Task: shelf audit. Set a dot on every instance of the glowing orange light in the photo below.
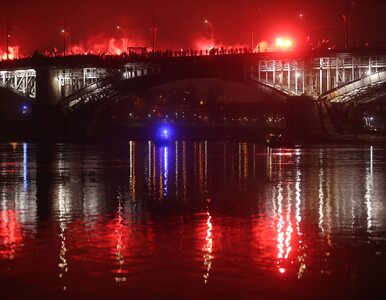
(279, 42)
(287, 43)
(13, 53)
(283, 43)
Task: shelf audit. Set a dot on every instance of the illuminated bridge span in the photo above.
(69, 82)
(20, 81)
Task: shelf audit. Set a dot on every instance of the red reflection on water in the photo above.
(205, 240)
(10, 234)
(208, 247)
(287, 203)
(119, 249)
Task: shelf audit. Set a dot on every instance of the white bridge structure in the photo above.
(20, 81)
(331, 76)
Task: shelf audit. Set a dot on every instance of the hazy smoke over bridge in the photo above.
(92, 26)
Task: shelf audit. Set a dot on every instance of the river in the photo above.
(192, 220)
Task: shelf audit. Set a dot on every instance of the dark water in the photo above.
(193, 220)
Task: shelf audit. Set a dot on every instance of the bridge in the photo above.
(326, 76)
(334, 76)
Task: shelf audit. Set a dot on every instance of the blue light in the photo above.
(24, 109)
(164, 133)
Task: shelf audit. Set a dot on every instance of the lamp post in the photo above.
(124, 37)
(12, 42)
(154, 31)
(66, 37)
(63, 31)
(8, 36)
(212, 31)
(346, 21)
(253, 23)
(306, 39)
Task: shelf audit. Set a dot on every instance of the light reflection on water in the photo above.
(192, 220)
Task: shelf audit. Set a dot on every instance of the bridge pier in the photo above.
(45, 118)
(303, 121)
(48, 89)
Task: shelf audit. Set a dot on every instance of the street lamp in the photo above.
(64, 33)
(253, 21)
(8, 36)
(14, 46)
(124, 37)
(303, 28)
(346, 21)
(211, 28)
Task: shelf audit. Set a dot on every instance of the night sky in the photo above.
(36, 24)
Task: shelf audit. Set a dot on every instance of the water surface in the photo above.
(193, 220)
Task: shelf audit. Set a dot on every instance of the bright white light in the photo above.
(283, 43)
(279, 42)
(298, 74)
(287, 43)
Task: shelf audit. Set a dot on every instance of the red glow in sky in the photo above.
(37, 24)
(13, 53)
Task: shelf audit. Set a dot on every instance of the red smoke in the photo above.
(100, 44)
(13, 53)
